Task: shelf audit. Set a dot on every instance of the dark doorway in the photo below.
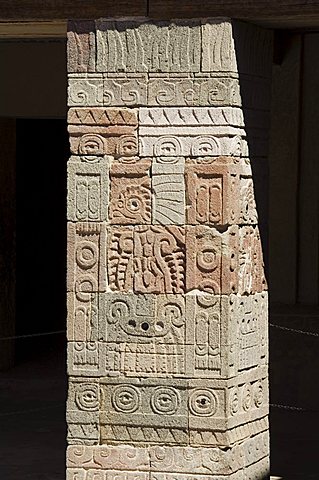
(33, 392)
(42, 152)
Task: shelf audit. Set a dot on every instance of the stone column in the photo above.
(167, 301)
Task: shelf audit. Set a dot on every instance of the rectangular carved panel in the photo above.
(88, 189)
(147, 47)
(167, 302)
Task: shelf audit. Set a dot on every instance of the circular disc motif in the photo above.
(258, 394)
(125, 398)
(203, 403)
(234, 401)
(247, 397)
(165, 400)
(86, 254)
(87, 397)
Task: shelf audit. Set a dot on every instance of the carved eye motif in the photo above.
(127, 146)
(165, 400)
(86, 397)
(167, 146)
(205, 146)
(91, 145)
(126, 398)
(203, 403)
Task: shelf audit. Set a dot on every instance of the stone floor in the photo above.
(32, 440)
(32, 411)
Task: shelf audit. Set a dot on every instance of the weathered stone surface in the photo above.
(85, 90)
(123, 89)
(144, 411)
(132, 90)
(171, 461)
(208, 461)
(117, 140)
(102, 116)
(226, 261)
(191, 116)
(251, 277)
(195, 143)
(86, 268)
(147, 259)
(108, 457)
(193, 91)
(130, 195)
(88, 189)
(81, 46)
(85, 359)
(212, 193)
(133, 46)
(168, 187)
(211, 259)
(168, 354)
(236, 47)
(208, 331)
(220, 191)
(83, 411)
(81, 474)
(218, 47)
(82, 429)
(145, 334)
(82, 317)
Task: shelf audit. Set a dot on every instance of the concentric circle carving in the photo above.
(247, 397)
(207, 259)
(234, 401)
(87, 397)
(165, 400)
(203, 403)
(258, 394)
(86, 255)
(126, 398)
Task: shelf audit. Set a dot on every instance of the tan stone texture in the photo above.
(81, 46)
(130, 194)
(147, 259)
(166, 292)
(86, 269)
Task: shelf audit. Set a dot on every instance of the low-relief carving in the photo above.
(84, 358)
(87, 190)
(148, 47)
(145, 334)
(86, 258)
(167, 308)
(130, 201)
(102, 116)
(147, 259)
(144, 411)
(120, 140)
(82, 319)
(168, 187)
(204, 330)
(85, 90)
(192, 145)
(81, 46)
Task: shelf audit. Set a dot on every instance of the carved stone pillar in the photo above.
(167, 301)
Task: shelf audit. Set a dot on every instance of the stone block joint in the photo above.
(166, 293)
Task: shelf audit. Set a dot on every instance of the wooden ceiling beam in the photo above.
(269, 13)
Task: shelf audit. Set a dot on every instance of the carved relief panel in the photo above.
(167, 301)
